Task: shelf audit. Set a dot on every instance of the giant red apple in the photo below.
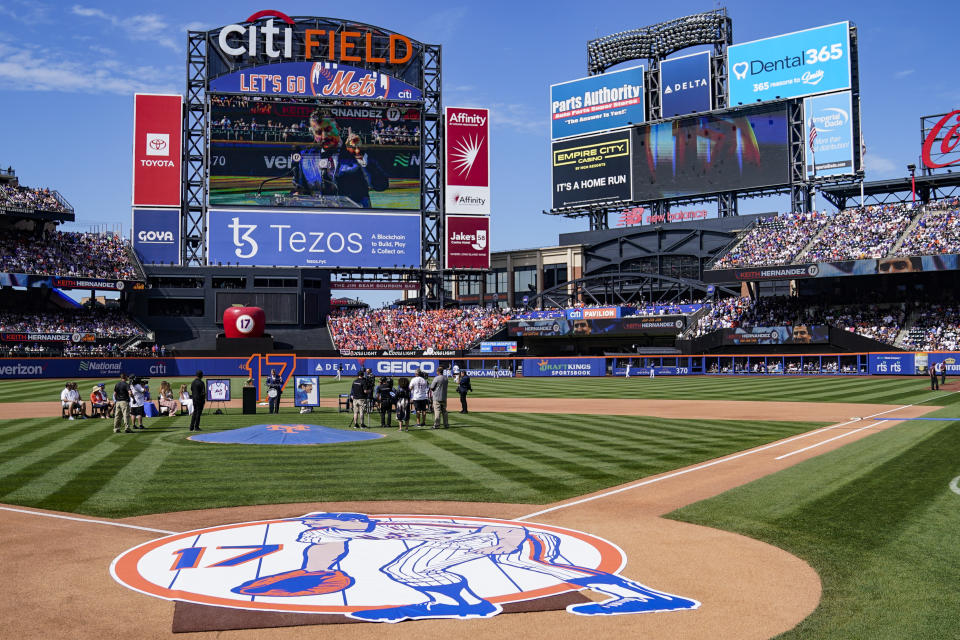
(244, 322)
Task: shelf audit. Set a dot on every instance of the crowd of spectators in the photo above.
(935, 328)
(67, 254)
(879, 322)
(854, 234)
(27, 198)
(102, 322)
(774, 240)
(937, 231)
(414, 329)
(270, 130)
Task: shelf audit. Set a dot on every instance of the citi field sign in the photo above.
(278, 37)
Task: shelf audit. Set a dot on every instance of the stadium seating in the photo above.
(854, 234)
(68, 254)
(12, 195)
(775, 240)
(937, 230)
(111, 327)
(413, 328)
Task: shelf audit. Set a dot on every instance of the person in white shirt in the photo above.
(66, 401)
(419, 389)
(138, 399)
(185, 399)
(77, 403)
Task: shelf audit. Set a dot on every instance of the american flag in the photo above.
(813, 134)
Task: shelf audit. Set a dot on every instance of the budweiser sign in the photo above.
(941, 140)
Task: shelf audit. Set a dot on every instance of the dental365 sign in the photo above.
(789, 66)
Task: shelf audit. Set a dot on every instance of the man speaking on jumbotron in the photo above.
(332, 168)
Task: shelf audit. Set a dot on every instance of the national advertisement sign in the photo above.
(828, 128)
(156, 235)
(467, 147)
(316, 80)
(791, 65)
(564, 367)
(468, 242)
(596, 103)
(329, 239)
(157, 134)
(685, 85)
(592, 170)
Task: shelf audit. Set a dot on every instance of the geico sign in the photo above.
(405, 366)
(158, 237)
(342, 45)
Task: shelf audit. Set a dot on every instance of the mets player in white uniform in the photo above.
(424, 567)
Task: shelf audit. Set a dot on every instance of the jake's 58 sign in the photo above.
(592, 170)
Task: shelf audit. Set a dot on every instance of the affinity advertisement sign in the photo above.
(468, 242)
(685, 85)
(793, 65)
(893, 364)
(330, 239)
(828, 130)
(564, 367)
(315, 79)
(592, 169)
(597, 103)
(467, 146)
(157, 124)
(156, 235)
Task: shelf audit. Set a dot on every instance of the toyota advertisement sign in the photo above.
(156, 235)
(157, 125)
(468, 242)
(685, 85)
(467, 151)
(793, 65)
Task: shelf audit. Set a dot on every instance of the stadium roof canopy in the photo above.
(898, 190)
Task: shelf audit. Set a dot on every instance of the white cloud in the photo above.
(878, 166)
(442, 25)
(28, 12)
(34, 68)
(903, 74)
(140, 27)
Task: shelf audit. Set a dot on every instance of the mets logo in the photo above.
(387, 568)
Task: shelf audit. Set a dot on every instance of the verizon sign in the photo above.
(467, 151)
(468, 242)
(157, 125)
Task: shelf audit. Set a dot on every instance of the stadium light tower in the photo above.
(912, 168)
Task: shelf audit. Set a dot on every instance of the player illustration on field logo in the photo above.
(388, 568)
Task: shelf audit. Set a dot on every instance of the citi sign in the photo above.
(343, 45)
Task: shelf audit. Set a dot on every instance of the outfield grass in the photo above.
(877, 521)
(892, 390)
(82, 466)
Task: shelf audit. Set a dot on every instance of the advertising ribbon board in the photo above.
(592, 170)
(467, 151)
(597, 103)
(157, 135)
(156, 235)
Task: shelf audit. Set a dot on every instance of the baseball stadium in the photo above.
(675, 414)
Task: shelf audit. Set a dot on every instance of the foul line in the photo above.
(955, 485)
(112, 524)
(848, 433)
(722, 460)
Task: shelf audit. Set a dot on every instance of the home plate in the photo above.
(285, 434)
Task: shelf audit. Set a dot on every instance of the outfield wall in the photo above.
(898, 363)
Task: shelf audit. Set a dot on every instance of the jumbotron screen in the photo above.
(740, 149)
(313, 155)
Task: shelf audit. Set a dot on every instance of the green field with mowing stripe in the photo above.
(893, 390)
(82, 466)
(878, 522)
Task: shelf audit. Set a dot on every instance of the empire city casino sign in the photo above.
(333, 45)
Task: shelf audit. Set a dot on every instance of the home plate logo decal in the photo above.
(386, 568)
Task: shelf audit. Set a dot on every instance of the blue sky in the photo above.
(68, 73)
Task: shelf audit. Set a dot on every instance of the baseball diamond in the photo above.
(344, 371)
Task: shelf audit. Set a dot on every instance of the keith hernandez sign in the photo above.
(467, 151)
(157, 125)
(468, 242)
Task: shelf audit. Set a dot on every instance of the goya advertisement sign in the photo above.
(828, 130)
(791, 65)
(156, 235)
(593, 169)
(316, 79)
(597, 103)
